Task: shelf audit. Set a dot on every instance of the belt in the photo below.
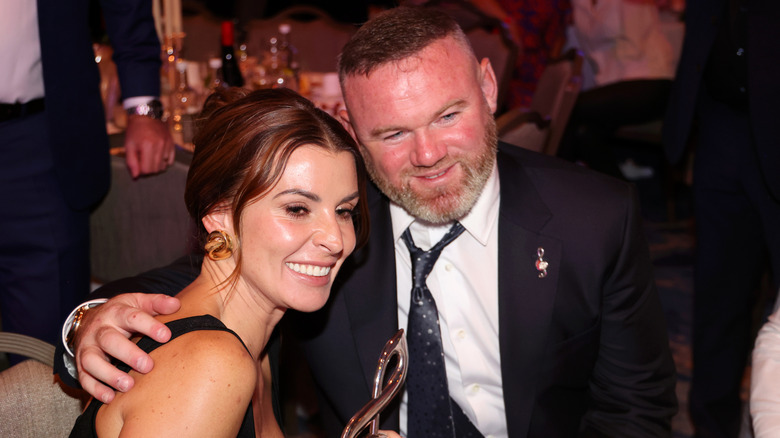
(9, 111)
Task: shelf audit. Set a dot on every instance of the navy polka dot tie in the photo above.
(430, 411)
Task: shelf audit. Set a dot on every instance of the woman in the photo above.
(278, 189)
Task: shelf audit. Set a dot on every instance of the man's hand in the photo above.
(105, 331)
(149, 147)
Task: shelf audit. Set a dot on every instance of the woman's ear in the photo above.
(220, 219)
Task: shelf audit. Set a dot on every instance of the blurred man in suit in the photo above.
(726, 101)
(54, 161)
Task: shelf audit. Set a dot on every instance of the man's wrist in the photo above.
(73, 323)
(152, 108)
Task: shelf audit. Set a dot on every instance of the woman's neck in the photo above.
(241, 309)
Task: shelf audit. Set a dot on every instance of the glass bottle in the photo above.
(288, 54)
(275, 63)
(231, 73)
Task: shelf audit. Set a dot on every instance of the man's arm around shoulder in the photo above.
(167, 280)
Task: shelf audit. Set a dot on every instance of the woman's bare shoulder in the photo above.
(201, 385)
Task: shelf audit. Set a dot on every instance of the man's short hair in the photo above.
(396, 34)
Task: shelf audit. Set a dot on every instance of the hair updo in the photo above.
(244, 141)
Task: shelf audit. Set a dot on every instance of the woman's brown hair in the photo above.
(244, 141)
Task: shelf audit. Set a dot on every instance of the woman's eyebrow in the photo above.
(301, 192)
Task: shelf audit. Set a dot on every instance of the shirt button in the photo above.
(475, 388)
(461, 334)
(740, 51)
(448, 267)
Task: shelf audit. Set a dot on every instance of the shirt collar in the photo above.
(479, 222)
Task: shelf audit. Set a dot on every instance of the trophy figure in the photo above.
(383, 393)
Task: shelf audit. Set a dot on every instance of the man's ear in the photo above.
(343, 117)
(489, 84)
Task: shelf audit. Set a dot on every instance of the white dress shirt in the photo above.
(765, 380)
(20, 55)
(20, 52)
(464, 283)
(622, 40)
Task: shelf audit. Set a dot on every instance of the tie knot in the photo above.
(423, 261)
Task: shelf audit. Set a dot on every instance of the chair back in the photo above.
(316, 36)
(27, 346)
(33, 402)
(501, 52)
(141, 224)
(524, 128)
(541, 126)
(555, 95)
(488, 38)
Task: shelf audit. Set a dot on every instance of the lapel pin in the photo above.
(541, 263)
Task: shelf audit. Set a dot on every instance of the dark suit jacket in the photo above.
(73, 105)
(763, 56)
(584, 351)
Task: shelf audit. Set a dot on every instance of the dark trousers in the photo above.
(737, 239)
(600, 111)
(44, 244)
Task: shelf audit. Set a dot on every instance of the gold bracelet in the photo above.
(73, 323)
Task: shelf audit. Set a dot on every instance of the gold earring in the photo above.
(219, 246)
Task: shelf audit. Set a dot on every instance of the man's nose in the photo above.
(427, 150)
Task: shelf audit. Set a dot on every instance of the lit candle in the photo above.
(168, 11)
(177, 29)
(157, 13)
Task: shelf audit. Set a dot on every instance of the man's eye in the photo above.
(393, 136)
(449, 116)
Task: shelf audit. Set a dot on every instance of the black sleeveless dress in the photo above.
(85, 423)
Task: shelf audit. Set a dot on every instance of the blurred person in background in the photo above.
(765, 380)
(627, 76)
(54, 152)
(724, 108)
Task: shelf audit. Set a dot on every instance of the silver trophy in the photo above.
(383, 393)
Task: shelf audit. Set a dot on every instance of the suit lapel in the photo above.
(370, 293)
(525, 300)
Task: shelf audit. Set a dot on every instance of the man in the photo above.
(725, 101)
(550, 322)
(54, 152)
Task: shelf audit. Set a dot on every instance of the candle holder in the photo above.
(172, 46)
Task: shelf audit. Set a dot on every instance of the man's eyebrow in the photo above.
(378, 132)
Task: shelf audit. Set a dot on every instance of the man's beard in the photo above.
(450, 203)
